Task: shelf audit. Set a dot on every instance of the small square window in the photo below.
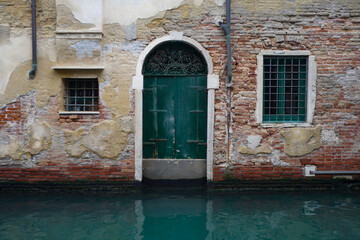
(284, 88)
(81, 94)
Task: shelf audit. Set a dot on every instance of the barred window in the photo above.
(285, 88)
(81, 94)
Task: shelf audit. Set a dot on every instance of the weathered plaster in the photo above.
(79, 14)
(350, 83)
(4, 33)
(126, 12)
(130, 32)
(265, 148)
(40, 138)
(120, 66)
(13, 52)
(10, 147)
(85, 48)
(301, 141)
(253, 141)
(329, 137)
(253, 146)
(107, 139)
(275, 159)
(198, 2)
(220, 3)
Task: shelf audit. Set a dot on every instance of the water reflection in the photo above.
(182, 215)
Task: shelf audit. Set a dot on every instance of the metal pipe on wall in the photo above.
(33, 32)
(335, 172)
(227, 31)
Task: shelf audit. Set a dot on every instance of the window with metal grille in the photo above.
(284, 86)
(81, 94)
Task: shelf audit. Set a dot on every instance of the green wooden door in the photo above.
(174, 117)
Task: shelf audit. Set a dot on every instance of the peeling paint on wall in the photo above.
(126, 12)
(85, 48)
(13, 53)
(86, 13)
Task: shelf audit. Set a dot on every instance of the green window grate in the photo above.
(284, 86)
(81, 94)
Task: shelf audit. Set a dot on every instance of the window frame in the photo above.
(311, 87)
(93, 97)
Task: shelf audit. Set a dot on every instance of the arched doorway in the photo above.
(173, 163)
(174, 112)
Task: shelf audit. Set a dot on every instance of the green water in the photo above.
(181, 215)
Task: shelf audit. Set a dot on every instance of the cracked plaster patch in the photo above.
(253, 146)
(10, 147)
(40, 139)
(301, 141)
(107, 139)
(261, 149)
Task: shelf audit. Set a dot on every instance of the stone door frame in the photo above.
(138, 84)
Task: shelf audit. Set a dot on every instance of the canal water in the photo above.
(181, 215)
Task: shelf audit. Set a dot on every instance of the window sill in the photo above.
(79, 113)
(284, 125)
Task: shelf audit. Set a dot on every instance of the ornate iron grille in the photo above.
(81, 94)
(285, 80)
(174, 58)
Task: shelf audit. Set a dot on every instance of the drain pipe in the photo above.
(33, 32)
(227, 30)
(334, 172)
(229, 82)
(310, 171)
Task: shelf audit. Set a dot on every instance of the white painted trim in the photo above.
(79, 113)
(78, 67)
(311, 86)
(174, 36)
(138, 84)
(213, 81)
(309, 168)
(138, 134)
(210, 135)
(311, 90)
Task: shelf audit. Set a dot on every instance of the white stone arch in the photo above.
(138, 84)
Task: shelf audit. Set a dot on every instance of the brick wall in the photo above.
(55, 164)
(331, 34)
